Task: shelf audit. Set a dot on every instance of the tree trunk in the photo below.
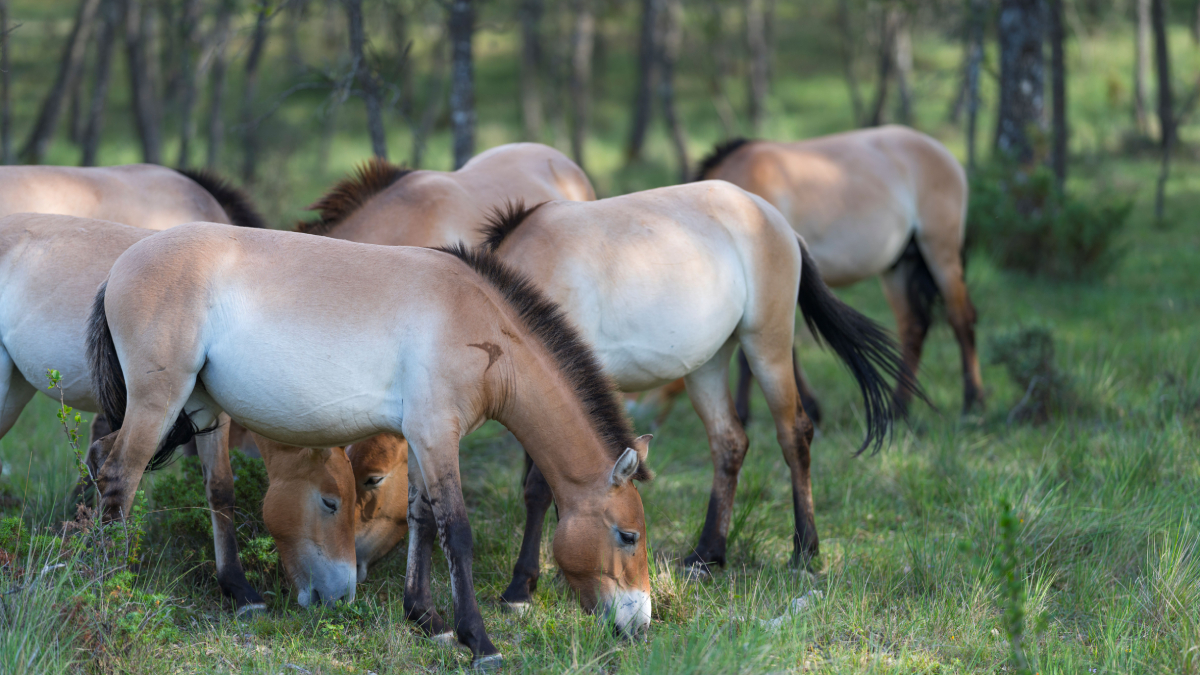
(216, 125)
(69, 68)
(582, 41)
(531, 58)
(462, 80)
(718, 52)
(1141, 66)
(760, 56)
(1058, 85)
(645, 81)
(6, 156)
(110, 11)
(902, 58)
(249, 90)
(146, 114)
(189, 74)
(887, 61)
(975, 28)
(1166, 102)
(672, 40)
(844, 25)
(1021, 31)
(365, 76)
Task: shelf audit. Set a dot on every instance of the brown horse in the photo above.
(418, 342)
(385, 204)
(888, 202)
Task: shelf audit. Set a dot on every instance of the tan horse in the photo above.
(382, 203)
(49, 269)
(385, 204)
(423, 343)
(887, 202)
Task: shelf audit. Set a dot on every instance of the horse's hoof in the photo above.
(488, 663)
(696, 572)
(518, 608)
(251, 610)
(446, 639)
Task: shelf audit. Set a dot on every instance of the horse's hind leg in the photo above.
(771, 363)
(708, 387)
(15, 392)
(807, 397)
(944, 259)
(538, 499)
(213, 450)
(910, 292)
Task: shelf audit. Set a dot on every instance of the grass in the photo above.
(1107, 533)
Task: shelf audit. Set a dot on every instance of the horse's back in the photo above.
(546, 174)
(142, 195)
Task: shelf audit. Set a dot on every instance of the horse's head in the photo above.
(600, 546)
(309, 510)
(380, 468)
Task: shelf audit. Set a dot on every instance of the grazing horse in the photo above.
(888, 202)
(50, 267)
(385, 204)
(424, 343)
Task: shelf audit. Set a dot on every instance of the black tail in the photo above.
(109, 382)
(236, 203)
(863, 345)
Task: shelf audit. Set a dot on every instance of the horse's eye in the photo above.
(373, 481)
(330, 504)
(628, 539)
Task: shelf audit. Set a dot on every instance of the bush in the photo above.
(182, 517)
(1028, 356)
(1025, 223)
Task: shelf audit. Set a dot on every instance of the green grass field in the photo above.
(1104, 502)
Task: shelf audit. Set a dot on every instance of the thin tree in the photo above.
(70, 66)
(845, 27)
(361, 72)
(643, 96)
(672, 40)
(462, 80)
(110, 19)
(189, 75)
(6, 156)
(977, 10)
(216, 124)
(760, 56)
(1166, 101)
(531, 12)
(1141, 66)
(902, 58)
(1058, 86)
(886, 60)
(1021, 31)
(719, 66)
(582, 41)
(258, 42)
(146, 113)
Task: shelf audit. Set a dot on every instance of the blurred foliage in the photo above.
(1027, 355)
(1026, 223)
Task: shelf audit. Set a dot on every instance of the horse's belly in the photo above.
(303, 396)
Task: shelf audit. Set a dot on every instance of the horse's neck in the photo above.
(549, 420)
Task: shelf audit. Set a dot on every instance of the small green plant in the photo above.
(1027, 353)
(70, 421)
(1025, 223)
(1007, 568)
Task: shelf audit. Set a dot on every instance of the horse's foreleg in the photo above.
(213, 450)
(708, 387)
(422, 529)
(442, 487)
(794, 430)
(538, 499)
(15, 392)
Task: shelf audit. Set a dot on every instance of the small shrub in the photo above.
(182, 516)
(1028, 356)
(1025, 223)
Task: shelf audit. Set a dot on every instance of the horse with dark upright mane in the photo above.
(424, 343)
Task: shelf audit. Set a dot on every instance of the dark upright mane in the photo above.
(369, 179)
(503, 220)
(546, 321)
(720, 153)
(235, 202)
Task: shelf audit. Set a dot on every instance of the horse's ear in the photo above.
(642, 445)
(625, 468)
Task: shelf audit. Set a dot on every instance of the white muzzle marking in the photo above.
(630, 611)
